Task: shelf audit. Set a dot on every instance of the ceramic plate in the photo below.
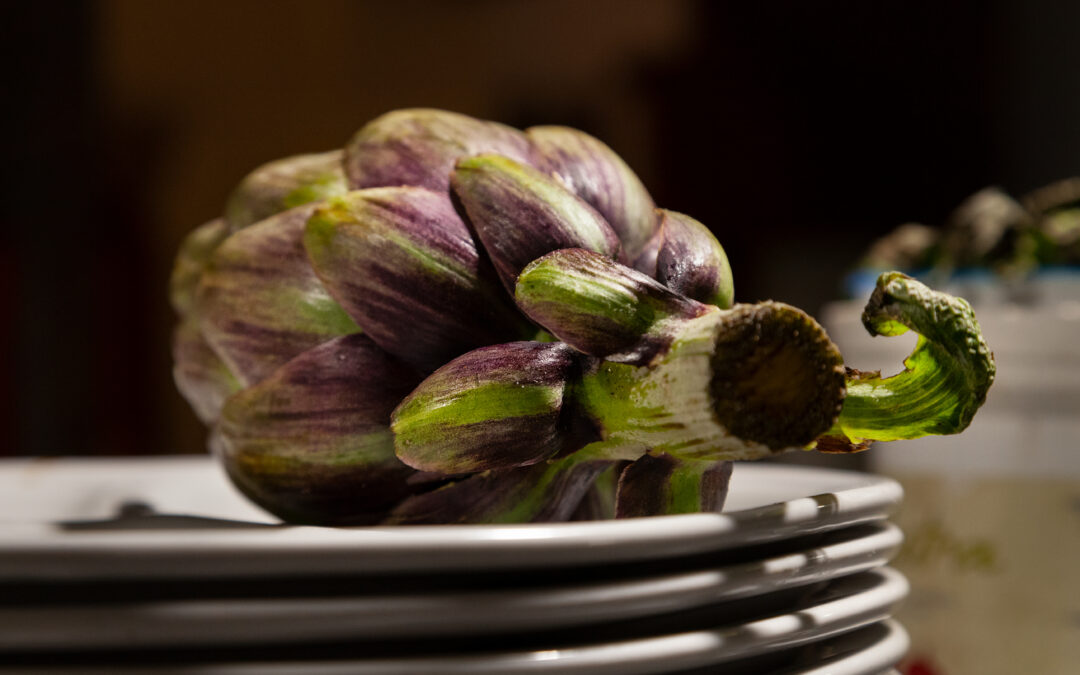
(873, 650)
(60, 523)
(258, 620)
(847, 604)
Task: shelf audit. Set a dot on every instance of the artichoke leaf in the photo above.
(312, 442)
(691, 261)
(405, 267)
(550, 491)
(945, 379)
(419, 146)
(595, 173)
(521, 213)
(191, 260)
(259, 302)
(201, 376)
(602, 308)
(660, 484)
(284, 184)
(497, 407)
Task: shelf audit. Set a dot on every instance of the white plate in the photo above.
(766, 502)
(206, 622)
(872, 650)
(871, 597)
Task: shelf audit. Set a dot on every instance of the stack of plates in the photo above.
(158, 566)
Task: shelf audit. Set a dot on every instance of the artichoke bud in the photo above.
(595, 173)
(983, 228)
(406, 268)
(419, 147)
(259, 302)
(497, 407)
(691, 261)
(284, 184)
(311, 443)
(520, 214)
(1058, 196)
(201, 376)
(602, 308)
(658, 485)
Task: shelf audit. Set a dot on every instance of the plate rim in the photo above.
(642, 656)
(33, 550)
(135, 623)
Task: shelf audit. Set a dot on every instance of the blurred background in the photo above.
(798, 132)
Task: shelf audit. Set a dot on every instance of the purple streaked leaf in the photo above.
(312, 443)
(201, 376)
(658, 485)
(406, 268)
(284, 184)
(191, 260)
(602, 308)
(419, 147)
(548, 492)
(691, 261)
(496, 407)
(260, 302)
(595, 173)
(521, 213)
(646, 260)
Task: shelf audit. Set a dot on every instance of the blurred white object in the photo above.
(992, 515)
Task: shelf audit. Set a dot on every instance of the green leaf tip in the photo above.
(285, 184)
(945, 379)
(521, 213)
(602, 308)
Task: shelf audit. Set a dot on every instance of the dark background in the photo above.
(798, 131)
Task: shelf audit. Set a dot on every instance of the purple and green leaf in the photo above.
(691, 261)
(520, 214)
(200, 375)
(551, 491)
(312, 442)
(657, 485)
(595, 173)
(260, 303)
(497, 407)
(191, 260)
(420, 146)
(405, 267)
(285, 184)
(602, 308)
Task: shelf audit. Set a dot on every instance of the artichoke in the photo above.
(451, 320)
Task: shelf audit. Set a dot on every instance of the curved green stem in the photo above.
(944, 381)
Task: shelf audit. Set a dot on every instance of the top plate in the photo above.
(54, 525)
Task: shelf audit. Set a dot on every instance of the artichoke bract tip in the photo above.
(519, 214)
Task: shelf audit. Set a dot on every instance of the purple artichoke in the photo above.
(455, 321)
